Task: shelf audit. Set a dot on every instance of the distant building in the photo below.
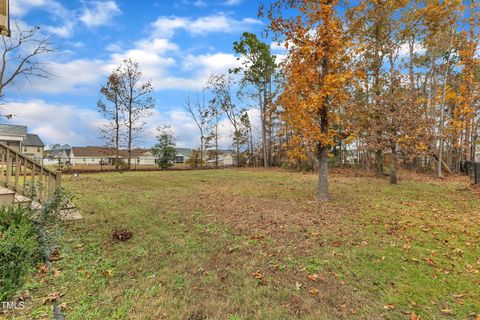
(92, 155)
(16, 137)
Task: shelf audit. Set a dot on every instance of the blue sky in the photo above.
(178, 44)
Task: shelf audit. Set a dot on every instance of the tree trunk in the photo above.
(322, 185)
(442, 111)
(201, 149)
(216, 144)
(379, 163)
(129, 162)
(237, 162)
(117, 134)
(263, 119)
(393, 169)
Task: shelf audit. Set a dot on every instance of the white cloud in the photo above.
(70, 124)
(185, 130)
(79, 126)
(75, 76)
(166, 26)
(113, 47)
(99, 13)
(56, 10)
(156, 58)
(199, 3)
(19, 8)
(232, 2)
(64, 31)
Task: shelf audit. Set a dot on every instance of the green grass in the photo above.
(239, 244)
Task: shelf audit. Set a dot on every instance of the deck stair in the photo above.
(20, 177)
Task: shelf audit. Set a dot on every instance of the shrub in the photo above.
(27, 237)
(20, 248)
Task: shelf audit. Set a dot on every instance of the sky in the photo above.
(178, 44)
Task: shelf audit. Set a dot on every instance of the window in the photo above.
(39, 149)
(24, 149)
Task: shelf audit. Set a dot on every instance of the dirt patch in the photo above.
(282, 228)
(264, 217)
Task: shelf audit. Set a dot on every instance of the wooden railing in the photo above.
(25, 176)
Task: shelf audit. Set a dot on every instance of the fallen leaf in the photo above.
(42, 269)
(314, 292)
(312, 277)
(447, 311)
(107, 273)
(55, 256)
(51, 297)
(413, 316)
(389, 307)
(259, 276)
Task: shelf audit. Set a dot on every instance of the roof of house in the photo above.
(33, 140)
(13, 130)
(99, 152)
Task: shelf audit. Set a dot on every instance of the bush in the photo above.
(27, 238)
(20, 248)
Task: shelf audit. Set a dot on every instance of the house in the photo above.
(183, 154)
(33, 147)
(16, 137)
(93, 155)
(225, 157)
(57, 156)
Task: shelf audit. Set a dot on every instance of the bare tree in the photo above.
(221, 88)
(136, 97)
(19, 56)
(111, 108)
(199, 112)
(215, 114)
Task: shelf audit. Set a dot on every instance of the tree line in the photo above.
(394, 81)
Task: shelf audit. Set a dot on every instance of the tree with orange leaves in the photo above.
(315, 75)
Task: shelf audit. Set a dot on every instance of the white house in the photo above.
(92, 155)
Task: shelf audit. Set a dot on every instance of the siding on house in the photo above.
(16, 137)
(92, 155)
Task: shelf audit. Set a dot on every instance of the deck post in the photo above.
(58, 179)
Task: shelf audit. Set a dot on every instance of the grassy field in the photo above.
(251, 244)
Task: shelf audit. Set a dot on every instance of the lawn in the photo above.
(251, 244)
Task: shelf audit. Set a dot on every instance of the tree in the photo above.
(247, 134)
(316, 75)
(112, 110)
(220, 85)
(164, 150)
(389, 117)
(213, 135)
(20, 56)
(195, 159)
(200, 115)
(136, 97)
(258, 69)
